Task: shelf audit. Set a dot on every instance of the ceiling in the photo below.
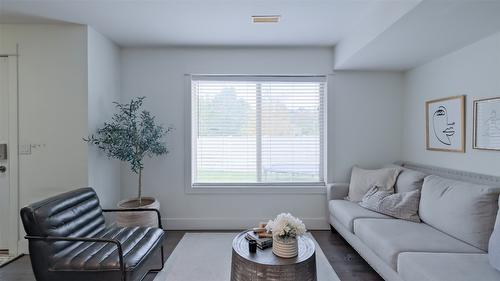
(366, 34)
(202, 22)
(428, 31)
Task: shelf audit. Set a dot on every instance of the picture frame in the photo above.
(486, 129)
(445, 124)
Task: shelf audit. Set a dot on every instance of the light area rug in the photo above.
(207, 257)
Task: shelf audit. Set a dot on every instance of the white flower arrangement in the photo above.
(286, 226)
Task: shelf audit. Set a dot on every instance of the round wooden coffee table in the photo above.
(264, 265)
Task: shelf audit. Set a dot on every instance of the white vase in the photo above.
(285, 247)
(130, 219)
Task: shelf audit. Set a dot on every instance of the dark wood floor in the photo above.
(344, 259)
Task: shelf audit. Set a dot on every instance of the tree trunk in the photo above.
(140, 188)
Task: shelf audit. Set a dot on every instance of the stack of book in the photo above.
(262, 243)
(261, 236)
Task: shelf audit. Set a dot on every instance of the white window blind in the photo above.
(257, 130)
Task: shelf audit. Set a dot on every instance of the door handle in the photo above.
(3, 169)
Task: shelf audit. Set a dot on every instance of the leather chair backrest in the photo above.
(76, 213)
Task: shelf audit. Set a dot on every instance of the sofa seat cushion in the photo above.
(136, 242)
(346, 212)
(446, 267)
(389, 237)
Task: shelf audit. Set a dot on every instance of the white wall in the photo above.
(103, 89)
(473, 71)
(52, 107)
(365, 123)
(68, 79)
(159, 75)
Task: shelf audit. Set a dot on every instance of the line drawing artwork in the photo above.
(444, 130)
(492, 125)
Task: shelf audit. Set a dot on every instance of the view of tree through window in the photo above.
(257, 131)
(225, 108)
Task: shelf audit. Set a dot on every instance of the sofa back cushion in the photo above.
(494, 245)
(463, 210)
(409, 180)
(362, 180)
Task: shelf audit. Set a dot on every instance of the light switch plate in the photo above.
(25, 149)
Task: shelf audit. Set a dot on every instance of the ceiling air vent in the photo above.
(266, 19)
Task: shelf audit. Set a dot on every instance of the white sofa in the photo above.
(458, 211)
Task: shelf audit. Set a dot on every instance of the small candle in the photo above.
(252, 246)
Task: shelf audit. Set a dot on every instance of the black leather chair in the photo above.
(69, 241)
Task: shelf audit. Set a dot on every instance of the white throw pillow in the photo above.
(362, 180)
(402, 205)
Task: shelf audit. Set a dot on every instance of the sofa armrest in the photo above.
(337, 191)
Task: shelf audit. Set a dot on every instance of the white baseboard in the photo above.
(22, 247)
(231, 223)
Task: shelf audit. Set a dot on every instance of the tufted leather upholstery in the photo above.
(98, 256)
(78, 214)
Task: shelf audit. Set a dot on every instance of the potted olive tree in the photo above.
(130, 136)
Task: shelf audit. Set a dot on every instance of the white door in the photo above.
(4, 163)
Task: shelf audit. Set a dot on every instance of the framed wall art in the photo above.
(445, 124)
(487, 124)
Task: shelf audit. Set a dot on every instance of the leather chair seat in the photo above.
(137, 243)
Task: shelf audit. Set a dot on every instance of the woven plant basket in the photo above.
(285, 248)
(130, 219)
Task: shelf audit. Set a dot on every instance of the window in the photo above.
(257, 130)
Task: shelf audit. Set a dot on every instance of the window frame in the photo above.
(259, 187)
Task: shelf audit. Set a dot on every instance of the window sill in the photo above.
(257, 189)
